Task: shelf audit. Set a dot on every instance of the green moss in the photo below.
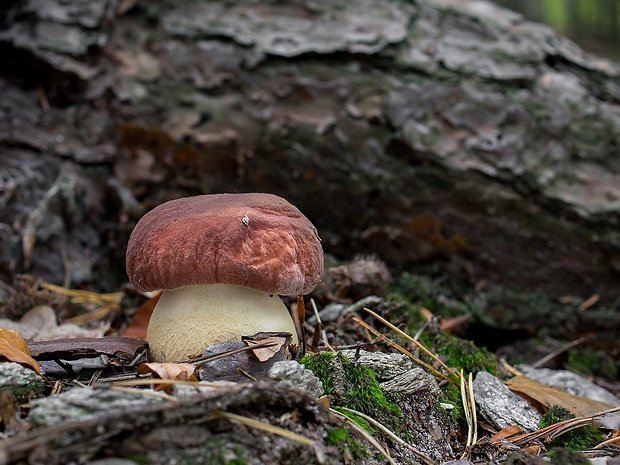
(365, 394)
(319, 364)
(465, 355)
(343, 438)
(578, 439)
(515, 308)
(362, 391)
(237, 461)
(338, 435)
(412, 292)
(354, 386)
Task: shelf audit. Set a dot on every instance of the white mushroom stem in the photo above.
(188, 320)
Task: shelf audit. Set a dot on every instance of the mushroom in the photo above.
(221, 260)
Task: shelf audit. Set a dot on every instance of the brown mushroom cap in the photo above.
(259, 241)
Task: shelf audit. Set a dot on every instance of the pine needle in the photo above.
(404, 351)
(149, 381)
(415, 342)
(81, 296)
(469, 407)
(107, 303)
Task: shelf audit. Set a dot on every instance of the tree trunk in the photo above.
(441, 134)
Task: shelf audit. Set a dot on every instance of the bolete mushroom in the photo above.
(221, 260)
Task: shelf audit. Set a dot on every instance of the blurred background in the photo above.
(593, 24)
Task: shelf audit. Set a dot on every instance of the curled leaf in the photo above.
(179, 371)
(268, 347)
(15, 349)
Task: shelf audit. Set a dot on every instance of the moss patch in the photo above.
(452, 395)
(354, 386)
(343, 438)
(361, 389)
(465, 355)
(578, 439)
(319, 364)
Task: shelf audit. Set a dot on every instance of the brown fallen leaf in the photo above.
(168, 370)
(453, 324)
(15, 349)
(265, 353)
(507, 432)
(544, 397)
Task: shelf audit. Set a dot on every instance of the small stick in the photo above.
(320, 325)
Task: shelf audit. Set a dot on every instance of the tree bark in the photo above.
(448, 135)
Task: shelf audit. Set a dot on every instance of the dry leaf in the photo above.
(10, 417)
(534, 449)
(265, 353)
(15, 349)
(177, 371)
(544, 397)
(507, 432)
(172, 371)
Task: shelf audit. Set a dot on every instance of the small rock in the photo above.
(500, 406)
(297, 376)
(572, 383)
(23, 383)
(237, 366)
(411, 382)
(385, 366)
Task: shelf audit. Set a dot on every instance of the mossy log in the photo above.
(439, 133)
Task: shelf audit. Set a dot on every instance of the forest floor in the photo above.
(396, 357)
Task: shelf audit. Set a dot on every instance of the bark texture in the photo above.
(437, 132)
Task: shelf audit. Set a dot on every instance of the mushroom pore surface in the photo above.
(188, 320)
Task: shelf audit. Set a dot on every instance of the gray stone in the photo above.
(501, 407)
(297, 376)
(411, 382)
(385, 366)
(22, 382)
(571, 382)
